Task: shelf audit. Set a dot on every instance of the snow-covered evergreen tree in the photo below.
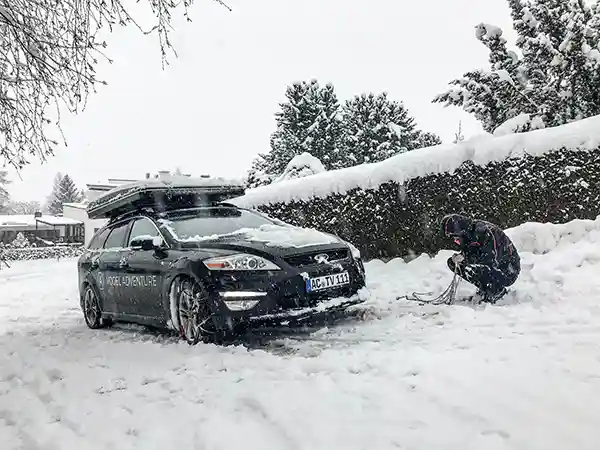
(375, 128)
(307, 122)
(64, 191)
(300, 166)
(555, 81)
(427, 139)
(4, 196)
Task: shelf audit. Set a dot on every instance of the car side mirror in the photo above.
(147, 243)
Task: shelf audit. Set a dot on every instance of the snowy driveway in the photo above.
(521, 375)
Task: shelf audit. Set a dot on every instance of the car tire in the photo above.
(92, 313)
(194, 313)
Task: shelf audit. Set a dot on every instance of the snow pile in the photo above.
(583, 135)
(488, 32)
(274, 236)
(541, 238)
(519, 124)
(301, 166)
(518, 375)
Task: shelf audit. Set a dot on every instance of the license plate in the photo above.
(327, 281)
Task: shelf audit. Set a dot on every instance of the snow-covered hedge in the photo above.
(28, 253)
(393, 208)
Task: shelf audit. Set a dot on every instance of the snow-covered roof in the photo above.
(15, 220)
(580, 135)
(76, 205)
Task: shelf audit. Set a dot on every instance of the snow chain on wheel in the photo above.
(194, 314)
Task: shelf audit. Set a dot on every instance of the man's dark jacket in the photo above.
(482, 242)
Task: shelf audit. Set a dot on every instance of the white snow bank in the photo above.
(517, 375)
(301, 166)
(275, 236)
(540, 238)
(583, 135)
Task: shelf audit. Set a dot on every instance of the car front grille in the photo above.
(308, 259)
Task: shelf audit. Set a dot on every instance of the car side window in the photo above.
(143, 227)
(116, 238)
(98, 240)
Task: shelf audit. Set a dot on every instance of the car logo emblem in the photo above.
(100, 281)
(322, 258)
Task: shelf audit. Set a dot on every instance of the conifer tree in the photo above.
(4, 196)
(64, 191)
(376, 128)
(555, 81)
(307, 122)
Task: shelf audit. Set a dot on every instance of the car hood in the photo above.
(274, 239)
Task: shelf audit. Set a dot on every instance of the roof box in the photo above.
(163, 195)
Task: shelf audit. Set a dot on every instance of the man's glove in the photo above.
(457, 258)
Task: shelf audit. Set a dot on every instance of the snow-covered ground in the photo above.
(524, 374)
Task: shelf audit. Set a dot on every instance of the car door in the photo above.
(111, 270)
(90, 265)
(144, 269)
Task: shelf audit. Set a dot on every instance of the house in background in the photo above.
(41, 229)
(78, 211)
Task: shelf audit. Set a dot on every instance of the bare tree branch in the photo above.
(49, 50)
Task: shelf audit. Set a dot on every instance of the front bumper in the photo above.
(284, 294)
(298, 316)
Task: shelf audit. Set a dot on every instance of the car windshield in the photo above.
(212, 221)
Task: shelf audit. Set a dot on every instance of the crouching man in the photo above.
(487, 259)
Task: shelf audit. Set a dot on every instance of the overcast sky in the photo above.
(212, 110)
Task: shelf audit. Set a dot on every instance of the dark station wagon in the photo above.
(176, 255)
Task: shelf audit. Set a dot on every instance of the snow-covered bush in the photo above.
(400, 219)
(29, 253)
(20, 241)
(301, 166)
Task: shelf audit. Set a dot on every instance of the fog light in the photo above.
(240, 305)
(241, 300)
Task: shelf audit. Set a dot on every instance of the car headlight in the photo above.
(239, 261)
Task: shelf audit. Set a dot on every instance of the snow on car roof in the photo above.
(128, 197)
(580, 135)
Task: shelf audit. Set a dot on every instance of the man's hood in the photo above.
(455, 224)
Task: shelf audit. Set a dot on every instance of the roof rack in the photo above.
(162, 196)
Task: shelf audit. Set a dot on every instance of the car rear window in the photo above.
(116, 239)
(213, 222)
(98, 239)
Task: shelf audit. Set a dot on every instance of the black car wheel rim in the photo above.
(195, 318)
(91, 309)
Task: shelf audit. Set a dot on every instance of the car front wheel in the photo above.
(91, 309)
(194, 313)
